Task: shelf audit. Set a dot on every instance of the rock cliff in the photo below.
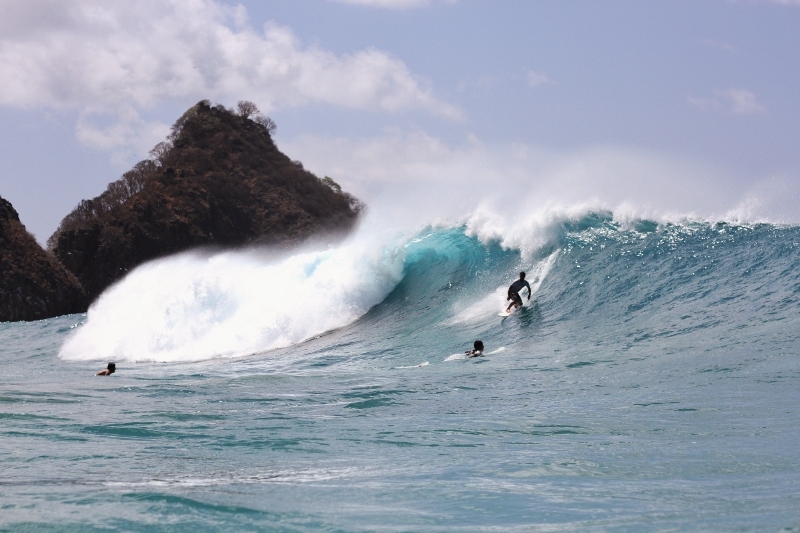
(219, 179)
(33, 284)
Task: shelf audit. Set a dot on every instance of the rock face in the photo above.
(219, 179)
(33, 284)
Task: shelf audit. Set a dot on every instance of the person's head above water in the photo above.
(478, 345)
(108, 370)
(522, 275)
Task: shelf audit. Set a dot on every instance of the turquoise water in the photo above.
(651, 384)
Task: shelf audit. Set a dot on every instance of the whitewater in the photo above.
(651, 383)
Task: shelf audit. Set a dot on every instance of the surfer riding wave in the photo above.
(514, 290)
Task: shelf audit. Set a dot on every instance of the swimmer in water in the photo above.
(477, 351)
(108, 370)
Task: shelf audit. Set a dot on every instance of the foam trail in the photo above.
(192, 307)
(425, 363)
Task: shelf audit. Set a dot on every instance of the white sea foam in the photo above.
(193, 307)
(417, 178)
(233, 478)
(426, 363)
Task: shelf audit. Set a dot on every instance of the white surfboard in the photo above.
(509, 313)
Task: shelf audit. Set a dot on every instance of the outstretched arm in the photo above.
(528, 285)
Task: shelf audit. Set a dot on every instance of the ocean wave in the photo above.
(592, 268)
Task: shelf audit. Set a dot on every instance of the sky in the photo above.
(438, 107)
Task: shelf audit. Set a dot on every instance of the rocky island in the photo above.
(218, 180)
(33, 284)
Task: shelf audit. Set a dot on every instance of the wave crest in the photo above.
(193, 307)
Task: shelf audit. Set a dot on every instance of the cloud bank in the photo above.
(119, 58)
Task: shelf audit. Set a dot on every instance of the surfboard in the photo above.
(509, 313)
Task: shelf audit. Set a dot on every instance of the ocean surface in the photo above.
(652, 383)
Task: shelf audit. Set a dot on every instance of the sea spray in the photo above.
(193, 306)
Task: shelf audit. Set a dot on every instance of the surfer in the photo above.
(513, 292)
(478, 349)
(108, 370)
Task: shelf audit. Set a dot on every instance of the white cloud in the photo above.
(722, 46)
(732, 100)
(124, 132)
(537, 79)
(741, 101)
(98, 57)
(392, 4)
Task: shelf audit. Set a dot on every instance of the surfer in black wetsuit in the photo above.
(476, 351)
(108, 370)
(513, 292)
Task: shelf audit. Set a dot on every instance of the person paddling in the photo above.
(514, 290)
(108, 370)
(476, 351)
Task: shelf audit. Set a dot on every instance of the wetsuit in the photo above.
(513, 290)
